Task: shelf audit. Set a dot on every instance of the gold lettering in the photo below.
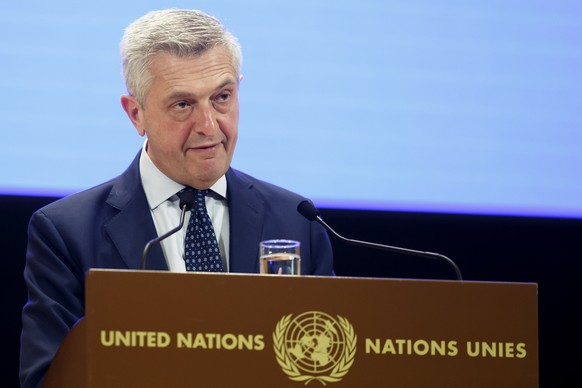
(151, 339)
(138, 338)
(437, 347)
(129, 338)
(373, 346)
(259, 343)
(418, 347)
(496, 349)
(123, 338)
(163, 340)
(229, 341)
(106, 340)
(421, 347)
(226, 341)
(488, 349)
(521, 352)
(184, 340)
(211, 337)
(245, 342)
(199, 341)
(388, 347)
(401, 343)
(509, 350)
(472, 349)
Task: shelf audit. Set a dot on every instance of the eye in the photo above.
(180, 110)
(223, 96)
(181, 105)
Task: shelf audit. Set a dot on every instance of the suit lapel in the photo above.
(133, 227)
(246, 212)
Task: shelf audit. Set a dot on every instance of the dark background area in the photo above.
(546, 251)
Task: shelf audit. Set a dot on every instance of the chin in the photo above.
(208, 176)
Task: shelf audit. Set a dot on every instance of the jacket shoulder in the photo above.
(266, 189)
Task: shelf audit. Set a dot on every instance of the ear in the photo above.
(134, 111)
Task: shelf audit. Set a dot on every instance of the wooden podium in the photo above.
(161, 329)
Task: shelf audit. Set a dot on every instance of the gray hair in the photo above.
(175, 31)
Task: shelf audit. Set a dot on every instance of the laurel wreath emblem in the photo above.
(291, 370)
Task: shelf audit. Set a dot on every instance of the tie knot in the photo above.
(199, 198)
(194, 197)
(198, 193)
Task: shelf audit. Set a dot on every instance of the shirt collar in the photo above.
(159, 188)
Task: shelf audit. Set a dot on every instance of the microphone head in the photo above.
(307, 209)
(187, 199)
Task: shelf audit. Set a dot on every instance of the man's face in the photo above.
(190, 116)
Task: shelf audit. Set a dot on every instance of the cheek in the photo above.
(232, 143)
(232, 125)
(232, 137)
(169, 140)
(228, 124)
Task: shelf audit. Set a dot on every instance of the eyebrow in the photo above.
(191, 96)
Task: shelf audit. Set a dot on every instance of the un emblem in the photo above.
(314, 346)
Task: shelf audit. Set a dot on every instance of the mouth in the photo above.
(205, 150)
(205, 147)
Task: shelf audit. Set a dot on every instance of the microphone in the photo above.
(187, 200)
(308, 210)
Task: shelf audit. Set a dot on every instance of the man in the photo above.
(182, 71)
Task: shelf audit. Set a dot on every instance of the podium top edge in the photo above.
(98, 271)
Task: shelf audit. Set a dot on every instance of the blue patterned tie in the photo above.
(201, 251)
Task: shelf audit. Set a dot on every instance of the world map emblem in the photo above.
(314, 346)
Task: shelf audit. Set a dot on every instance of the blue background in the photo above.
(446, 106)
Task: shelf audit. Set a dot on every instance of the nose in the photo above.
(204, 120)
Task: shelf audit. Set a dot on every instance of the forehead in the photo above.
(195, 73)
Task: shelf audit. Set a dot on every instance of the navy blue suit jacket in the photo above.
(108, 226)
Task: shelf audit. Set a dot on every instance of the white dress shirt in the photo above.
(164, 205)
